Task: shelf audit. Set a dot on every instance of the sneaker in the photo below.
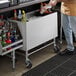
(67, 52)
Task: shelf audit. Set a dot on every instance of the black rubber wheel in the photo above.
(56, 49)
(28, 64)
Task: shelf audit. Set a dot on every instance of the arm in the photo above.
(54, 2)
(62, 0)
(59, 0)
(50, 4)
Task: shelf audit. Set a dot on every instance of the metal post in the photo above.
(13, 58)
(54, 42)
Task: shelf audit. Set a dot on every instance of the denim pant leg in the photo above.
(65, 21)
(73, 23)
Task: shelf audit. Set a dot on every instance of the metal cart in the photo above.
(36, 31)
(3, 50)
(10, 48)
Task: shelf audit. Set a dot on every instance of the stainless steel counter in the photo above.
(21, 5)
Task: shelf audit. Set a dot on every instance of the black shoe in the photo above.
(67, 52)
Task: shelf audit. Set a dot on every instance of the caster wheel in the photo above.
(56, 49)
(28, 64)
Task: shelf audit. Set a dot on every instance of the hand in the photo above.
(49, 5)
(44, 8)
(52, 2)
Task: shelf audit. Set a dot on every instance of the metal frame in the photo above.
(12, 51)
(23, 29)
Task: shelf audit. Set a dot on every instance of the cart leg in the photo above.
(56, 48)
(26, 56)
(54, 42)
(28, 61)
(13, 59)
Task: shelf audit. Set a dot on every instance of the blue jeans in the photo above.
(69, 27)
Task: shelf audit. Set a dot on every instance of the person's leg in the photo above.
(73, 23)
(65, 21)
(67, 28)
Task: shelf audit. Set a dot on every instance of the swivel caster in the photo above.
(28, 64)
(56, 49)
